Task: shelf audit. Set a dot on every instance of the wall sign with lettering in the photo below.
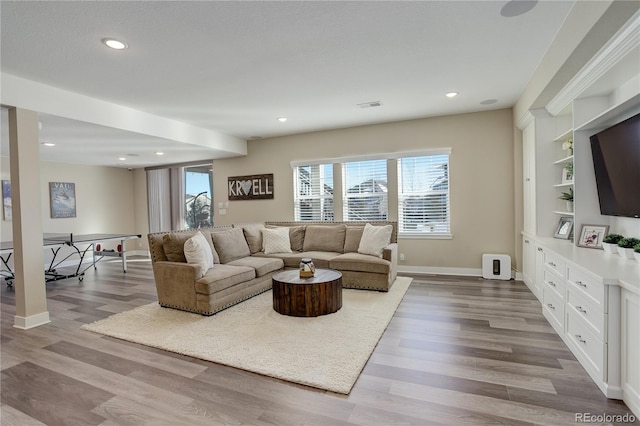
(253, 187)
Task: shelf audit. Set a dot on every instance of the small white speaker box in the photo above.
(496, 266)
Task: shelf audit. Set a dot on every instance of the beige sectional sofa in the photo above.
(244, 262)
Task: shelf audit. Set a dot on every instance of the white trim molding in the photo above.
(621, 44)
(25, 323)
(432, 270)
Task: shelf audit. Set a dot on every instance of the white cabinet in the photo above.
(528, 261)
(586, 320)
(630, 343)
(553, 289)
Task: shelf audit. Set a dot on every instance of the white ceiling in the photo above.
(236, 66)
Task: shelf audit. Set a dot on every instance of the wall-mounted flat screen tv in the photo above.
(616, 163)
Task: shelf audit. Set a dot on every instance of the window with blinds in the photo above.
(365, 190)
(423, 194)
(313, 196)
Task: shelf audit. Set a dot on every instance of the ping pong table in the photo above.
(57, 241)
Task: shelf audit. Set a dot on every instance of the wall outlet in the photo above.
(401, 256)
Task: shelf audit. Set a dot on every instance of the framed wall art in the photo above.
(6, 200)
(253, 187)
(62, 198)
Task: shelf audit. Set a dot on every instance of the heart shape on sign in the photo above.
(246, 186)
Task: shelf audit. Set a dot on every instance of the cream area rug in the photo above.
(326, 352)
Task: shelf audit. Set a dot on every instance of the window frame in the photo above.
(323, 199)
(403, 194)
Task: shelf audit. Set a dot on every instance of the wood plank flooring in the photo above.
(459, 351)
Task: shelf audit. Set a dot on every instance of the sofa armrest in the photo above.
(176, 284)
(390, 253)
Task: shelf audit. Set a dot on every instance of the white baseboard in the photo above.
(25, 323)
(89, 259)
(432, 270)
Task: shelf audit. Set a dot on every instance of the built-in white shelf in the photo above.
(564, 135)
(564, 160)
(611, 116)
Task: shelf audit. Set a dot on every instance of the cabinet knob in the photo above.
(579, 308)
(527, 180)
(539, 249)
(581, 284)
(580, 339)
(552, 264)
(551, 306)
(552, 284)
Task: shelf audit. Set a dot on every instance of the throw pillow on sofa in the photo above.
(230, 245)
(173, 246)
(375, 239)
(198, 252)
(276, 240)
(253, 235)
(325, 238)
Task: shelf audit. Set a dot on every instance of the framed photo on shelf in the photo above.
(565, 228)
(567, 176)
(591, 236)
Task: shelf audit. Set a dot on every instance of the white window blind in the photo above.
(365, 190)
(313, 196)
(423, 194)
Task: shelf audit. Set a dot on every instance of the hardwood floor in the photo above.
(459, 351)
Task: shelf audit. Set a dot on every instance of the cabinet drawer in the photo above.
(590, 348)
(554, 282)
(553, 309)
(554, 263)
(589, 286)
(590, 312)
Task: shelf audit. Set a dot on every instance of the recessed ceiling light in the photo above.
(282, 119)
(122, 158)
(517, 7)
(159, 153)
(48, 144)
(114, 44)
(451, 94)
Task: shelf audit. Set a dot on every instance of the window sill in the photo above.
(423, 236)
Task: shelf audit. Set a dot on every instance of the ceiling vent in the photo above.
(370, 104)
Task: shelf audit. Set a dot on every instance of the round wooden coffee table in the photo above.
(307, 297)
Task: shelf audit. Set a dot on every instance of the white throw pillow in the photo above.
(276, 240)
(375, 239)
(198, 252)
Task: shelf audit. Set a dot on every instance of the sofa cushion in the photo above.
(173, 245)
(262, 265)
(253, 235)
(230, 245)
(360, 263)
(296, 237)
(320, 258)
(198, 252)
(276, 240)
(375, 239)
(223, 276)
(325, 238)
(352, 238)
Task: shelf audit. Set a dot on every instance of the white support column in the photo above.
(29, 282)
